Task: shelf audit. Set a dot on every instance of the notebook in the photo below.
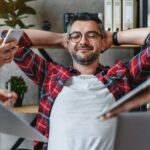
(13, 124)
(129, 95)
(133, 131)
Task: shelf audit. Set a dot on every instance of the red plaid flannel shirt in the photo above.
(51, 77)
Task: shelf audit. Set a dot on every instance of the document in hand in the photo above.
(129, 95)
(13, 124)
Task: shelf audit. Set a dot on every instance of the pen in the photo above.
(10, 103)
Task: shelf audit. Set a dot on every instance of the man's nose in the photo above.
(84, 39)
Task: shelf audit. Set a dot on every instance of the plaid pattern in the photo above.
(51, 77)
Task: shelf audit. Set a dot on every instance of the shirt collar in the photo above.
(74, 71)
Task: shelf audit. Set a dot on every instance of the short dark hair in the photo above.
(85, 16)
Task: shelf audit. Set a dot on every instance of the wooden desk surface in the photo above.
(26, 109)
(33, 109)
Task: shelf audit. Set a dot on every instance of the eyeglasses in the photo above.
(90, 35)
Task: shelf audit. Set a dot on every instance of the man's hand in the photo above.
(5, 96)
(65, 40)
(138, 100)
(107, 41)
(7, 52)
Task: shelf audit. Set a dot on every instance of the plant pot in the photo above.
(19, 101)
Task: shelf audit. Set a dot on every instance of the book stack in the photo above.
(120, 15)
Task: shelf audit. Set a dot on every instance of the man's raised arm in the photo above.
(128, 37)
(133, 36)
(47, 38)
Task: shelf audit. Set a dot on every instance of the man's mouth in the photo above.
(84, 49)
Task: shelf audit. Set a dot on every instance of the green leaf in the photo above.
(11, 23)
(17, 84)
(26, 10)
(13, 11)
(23, 1)
(4, 16)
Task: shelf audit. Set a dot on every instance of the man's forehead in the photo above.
(84, 25)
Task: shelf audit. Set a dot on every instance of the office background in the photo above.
(53, 10)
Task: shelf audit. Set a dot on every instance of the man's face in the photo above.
(85, 42)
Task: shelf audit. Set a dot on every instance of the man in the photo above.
(72, 99)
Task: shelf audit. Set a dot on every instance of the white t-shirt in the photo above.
(75, 118)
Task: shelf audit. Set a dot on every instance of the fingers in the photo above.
(122, 108)
(11, 101)
(135, 102)
(14, 96)
(7, 46)
(65, 40)
(7, 52)
(4, 95)
(8, 97)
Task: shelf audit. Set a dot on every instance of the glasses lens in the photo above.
(75, 37)
(92, 35)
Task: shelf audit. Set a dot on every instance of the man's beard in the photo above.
(85, 61)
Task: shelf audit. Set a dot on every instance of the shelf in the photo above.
(125, 46)
(26, 109)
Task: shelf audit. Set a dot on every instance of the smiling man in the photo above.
(72, 99)
(90, 40)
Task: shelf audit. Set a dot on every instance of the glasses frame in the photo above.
(86, 36)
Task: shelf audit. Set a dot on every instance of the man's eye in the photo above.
(75, 36)
(92, 35)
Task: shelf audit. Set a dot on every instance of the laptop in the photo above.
(133, 131)
(129, 95)
(13, 124)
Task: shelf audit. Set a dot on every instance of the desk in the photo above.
(26, 109)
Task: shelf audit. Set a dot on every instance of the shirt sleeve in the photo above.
(25, 40)
(139, 66)
(147, 40)
(34, 66)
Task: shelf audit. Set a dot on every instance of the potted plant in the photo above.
(18, 85)
(14, 11)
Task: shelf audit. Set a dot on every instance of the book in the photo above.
(108, 15)
(116, 15)
(67, 17)
(129, 14)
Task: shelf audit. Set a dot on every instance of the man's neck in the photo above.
(87, 69)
